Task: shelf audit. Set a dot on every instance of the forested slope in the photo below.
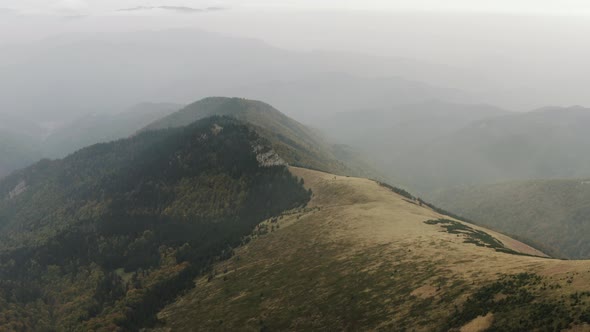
(104, 237)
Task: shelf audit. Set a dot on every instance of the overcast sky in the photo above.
(106, 7)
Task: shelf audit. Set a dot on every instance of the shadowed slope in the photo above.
(100, 240)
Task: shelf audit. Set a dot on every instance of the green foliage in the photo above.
(420, 201)
(471, 235)
(119, 229)
(397, 190)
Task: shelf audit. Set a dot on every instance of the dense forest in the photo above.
(120, 228)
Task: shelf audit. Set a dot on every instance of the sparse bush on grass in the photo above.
(398, 191)
(523, 306)
(473, 236)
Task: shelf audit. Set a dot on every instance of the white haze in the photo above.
(71, 66)
(508, 57)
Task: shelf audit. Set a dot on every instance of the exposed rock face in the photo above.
(216, 129)
(267, 157)
(20, 188)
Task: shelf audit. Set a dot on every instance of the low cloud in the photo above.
(181, 9)
(74, 17)
(7, 11)
(70, 6)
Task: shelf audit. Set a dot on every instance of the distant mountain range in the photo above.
(65, 77)
(24, 141)
(399, 129)
(553, 213)
(61, 83)
(312, 98)
(97, 128)
(434, 145)
(298, 144)
(541, 144)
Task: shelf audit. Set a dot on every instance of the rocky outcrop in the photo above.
(267, 157)
(20, 188)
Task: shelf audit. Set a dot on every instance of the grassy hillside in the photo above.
(553, 212)
(101, 239)
(296, 143)
(361, 257)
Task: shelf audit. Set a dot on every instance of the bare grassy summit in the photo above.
(361, 257)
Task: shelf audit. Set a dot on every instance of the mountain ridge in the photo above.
(120, 228)
(362, 257)
(296, 143)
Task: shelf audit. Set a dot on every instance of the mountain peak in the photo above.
(295, 143)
